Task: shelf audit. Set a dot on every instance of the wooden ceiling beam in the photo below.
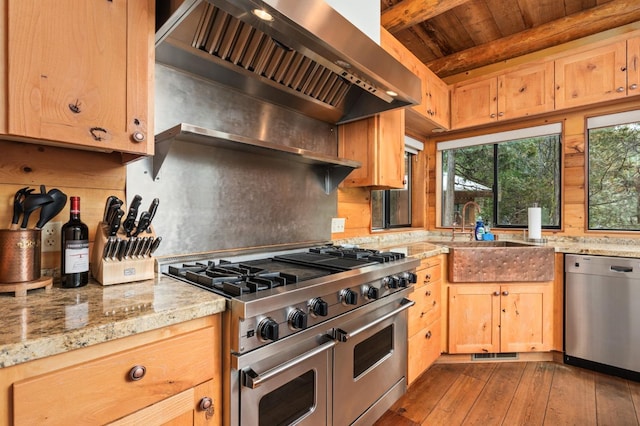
(408, 13)
(591, 21)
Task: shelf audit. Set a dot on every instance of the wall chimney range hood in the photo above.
(307, 57)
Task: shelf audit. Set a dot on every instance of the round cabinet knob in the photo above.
(205, 404)
(297, 320)
(349, 297)
(319, 307)
(492, 116)
(268, 329)
(633, 86)
(138, 137)
(372, 293)
(500, 114)
(428, 293)
(428, 335)
(496, 293)
(505, 293)
(137, 372)
(620, 89)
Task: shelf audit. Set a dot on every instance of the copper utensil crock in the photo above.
(20, 252)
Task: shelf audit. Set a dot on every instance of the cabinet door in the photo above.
(79, 72)
(527, 318)
(474, 103)
(474, 318)
(593, 76)
(526, 91)
(633, 66)
(378, 144)
(437, 100)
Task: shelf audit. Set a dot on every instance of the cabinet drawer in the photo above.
(429, 274)
(101, 390)
(424, 349)
(427, 307)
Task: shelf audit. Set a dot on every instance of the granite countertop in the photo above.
(48, 322)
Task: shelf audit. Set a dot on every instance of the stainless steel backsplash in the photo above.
(213, 198)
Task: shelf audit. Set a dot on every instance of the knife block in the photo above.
(114, 271)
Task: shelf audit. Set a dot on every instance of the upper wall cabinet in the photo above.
(593, 76)
(378, 144)
(80, 73)
(433, 110)
(518, 93)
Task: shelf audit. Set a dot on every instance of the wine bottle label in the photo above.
(76, 256)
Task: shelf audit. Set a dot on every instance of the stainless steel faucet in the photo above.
(464, 215)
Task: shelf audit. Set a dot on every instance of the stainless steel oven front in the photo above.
(348, 370)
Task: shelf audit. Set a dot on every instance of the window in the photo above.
(391, 208)
(614, 172)
(505, 173)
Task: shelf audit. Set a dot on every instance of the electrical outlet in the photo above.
(337, 225)
(51, 236)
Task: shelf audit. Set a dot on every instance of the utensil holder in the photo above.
(20, 253)
(108, 271)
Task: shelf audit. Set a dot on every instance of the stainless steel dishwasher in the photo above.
(602, 314)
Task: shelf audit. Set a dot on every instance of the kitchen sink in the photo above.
(499, 261)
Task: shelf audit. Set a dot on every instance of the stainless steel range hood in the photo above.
(307, 58)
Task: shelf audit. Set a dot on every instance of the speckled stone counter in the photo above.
(48, 322)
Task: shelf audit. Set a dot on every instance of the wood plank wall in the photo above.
(90, 175)
(354, 204)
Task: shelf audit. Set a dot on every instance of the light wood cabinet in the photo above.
(424, 327)
(80, 73)
(433, 111)
(491, 318)
(518, 93)
(592, 76)
(378, 144)
(165, 376)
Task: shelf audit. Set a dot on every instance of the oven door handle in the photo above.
(253, 380)
(342, 336)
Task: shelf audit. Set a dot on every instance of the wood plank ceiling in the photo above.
(453, 36)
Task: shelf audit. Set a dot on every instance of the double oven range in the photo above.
(311, 336)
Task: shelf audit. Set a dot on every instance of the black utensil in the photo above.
(143, 223)
(153, 208)
(18, 207)
(51, 210)
(130, 221)
(114, 222)
(31, 203)
(107, 207)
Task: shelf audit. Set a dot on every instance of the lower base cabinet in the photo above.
(424, 329)
(165, 376)
(492, 318)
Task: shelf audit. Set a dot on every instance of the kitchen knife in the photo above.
(153, 208)
(147, 247)
(155, 245)
(107, 207)
(107, 249)
(130, 221)
(113, 253)
(140, 248)
(122, 249)
(131, 244)
(143, 223)
(114, 223)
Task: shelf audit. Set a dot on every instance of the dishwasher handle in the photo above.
(615, 268)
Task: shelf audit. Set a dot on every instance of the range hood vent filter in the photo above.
(233, 41)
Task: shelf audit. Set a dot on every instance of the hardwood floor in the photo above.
(515, 393)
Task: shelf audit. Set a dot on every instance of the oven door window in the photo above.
(289, 402)
(369, 352)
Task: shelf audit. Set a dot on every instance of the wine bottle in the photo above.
(74, 268)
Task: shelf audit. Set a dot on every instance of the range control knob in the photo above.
(319, 307)
(410, 277)
(268, 329)
(349, 297)
(372, 293)
(390, 281)
(297, 319)
(402, 282)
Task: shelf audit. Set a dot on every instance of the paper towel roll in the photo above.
(535, 223)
